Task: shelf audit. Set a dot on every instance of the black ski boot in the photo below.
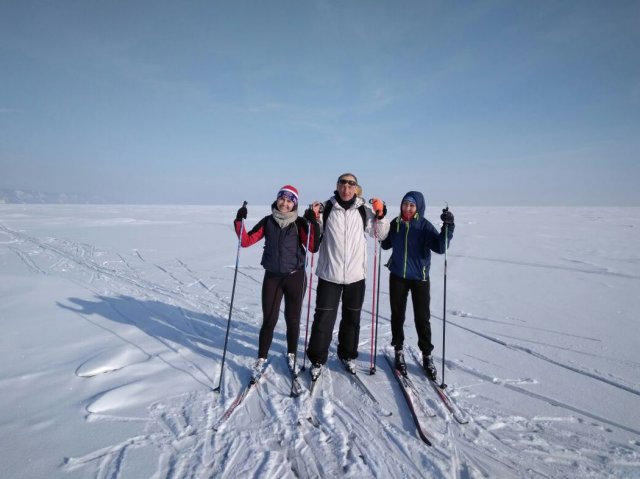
(429, 368)
(401, 365)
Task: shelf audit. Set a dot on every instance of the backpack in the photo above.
(327, 209)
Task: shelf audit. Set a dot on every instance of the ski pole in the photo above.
(376, 296)
(306, 333)
(375, 353)
(233, 291)
(444, 306)
(372, 364)
(295, 357)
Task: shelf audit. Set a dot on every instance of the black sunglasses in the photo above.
(342, 181)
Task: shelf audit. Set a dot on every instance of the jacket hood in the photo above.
(419, 197)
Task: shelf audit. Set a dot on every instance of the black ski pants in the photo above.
(327, 300)
(274, 287)
(399, 289)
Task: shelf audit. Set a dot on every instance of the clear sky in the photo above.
(212, 102)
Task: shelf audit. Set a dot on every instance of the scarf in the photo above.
(283, 219)
(345, 204)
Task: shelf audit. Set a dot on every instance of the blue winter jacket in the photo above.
(413, 241)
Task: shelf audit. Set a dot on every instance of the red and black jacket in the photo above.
(284, 248)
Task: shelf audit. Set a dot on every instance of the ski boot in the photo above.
(349, 365)
(315, 371)
(258, 369)
(291, 362)
(401, 365)
(429, 368)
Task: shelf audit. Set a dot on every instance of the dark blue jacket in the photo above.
(412, 242)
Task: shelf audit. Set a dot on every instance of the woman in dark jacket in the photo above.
(412, 239)
(286, 236)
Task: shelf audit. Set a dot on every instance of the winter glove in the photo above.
(379, 208)
(242, 214)
(447, 216)
(310, 216)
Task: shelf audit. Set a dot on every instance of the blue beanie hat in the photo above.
(410, 199)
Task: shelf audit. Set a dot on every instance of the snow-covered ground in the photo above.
(113, 322)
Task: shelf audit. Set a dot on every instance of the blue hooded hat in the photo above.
(417, 199)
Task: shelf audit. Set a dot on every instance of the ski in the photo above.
(306, 406)
(456, 412)
(253, 384)
(408, 391)
(357, 380)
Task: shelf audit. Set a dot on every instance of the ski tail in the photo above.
(365, 389)
(454, 409)
(251, 385)
(408, 395)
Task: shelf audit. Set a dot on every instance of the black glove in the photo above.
(310, 216)
(447, 216)
(384, 211)
(242, 214)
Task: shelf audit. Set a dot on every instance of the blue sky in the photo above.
(474, 103)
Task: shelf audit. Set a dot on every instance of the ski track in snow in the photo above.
(543, 357)
(591, 269)
(180, 427)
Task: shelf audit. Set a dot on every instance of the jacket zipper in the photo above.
(406, 244)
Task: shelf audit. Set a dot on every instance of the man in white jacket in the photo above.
(342, 267)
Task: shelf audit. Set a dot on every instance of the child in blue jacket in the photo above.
(412, 238)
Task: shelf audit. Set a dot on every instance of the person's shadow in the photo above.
(174, 326)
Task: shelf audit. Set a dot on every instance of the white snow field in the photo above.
(113, 325)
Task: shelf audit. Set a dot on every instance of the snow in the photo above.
(114, 318)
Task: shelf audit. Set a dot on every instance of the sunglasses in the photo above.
(342, 181)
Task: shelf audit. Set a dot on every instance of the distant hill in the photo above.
(9, 196)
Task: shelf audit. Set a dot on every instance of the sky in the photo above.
(201, 102)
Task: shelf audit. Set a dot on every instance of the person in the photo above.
(341, 270)
(285, 236)
(412, 238)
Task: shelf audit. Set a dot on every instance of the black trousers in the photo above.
(420, 297)
(327, 300)
(274, 287)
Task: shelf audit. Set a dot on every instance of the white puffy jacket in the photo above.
(343, 250)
